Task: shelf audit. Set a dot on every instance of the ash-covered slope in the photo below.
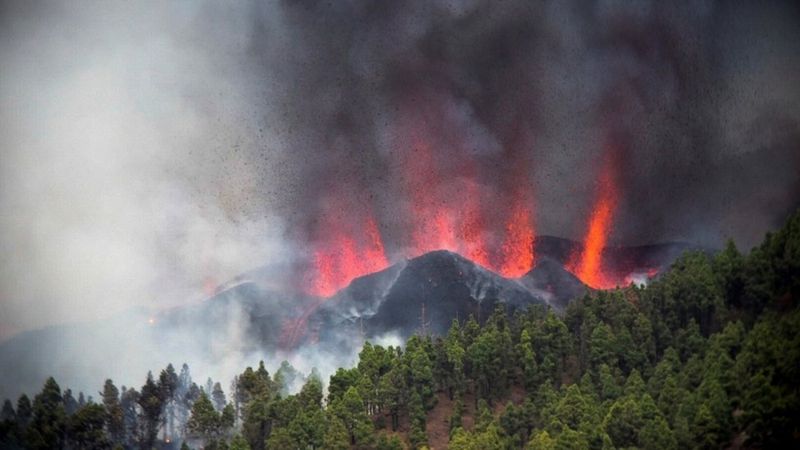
(551, 281)
(442, 284)
(450, 286)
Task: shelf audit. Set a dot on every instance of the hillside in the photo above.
(706, 356)
(247, 317)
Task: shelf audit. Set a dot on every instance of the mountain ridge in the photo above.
(246, 317)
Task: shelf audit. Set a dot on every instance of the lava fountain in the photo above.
(348, 252)
(517, 249)
(441, 204)
(587, 264)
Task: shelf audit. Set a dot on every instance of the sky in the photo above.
(151, 150)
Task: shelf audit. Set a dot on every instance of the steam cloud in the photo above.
(150, 150)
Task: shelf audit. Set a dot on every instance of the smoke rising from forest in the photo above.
(152, 151)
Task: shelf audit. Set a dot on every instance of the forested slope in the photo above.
(707, 356)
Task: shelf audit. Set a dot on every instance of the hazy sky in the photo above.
(149, 149)
(121, 181)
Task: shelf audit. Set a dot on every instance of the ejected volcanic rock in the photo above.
(440, 286)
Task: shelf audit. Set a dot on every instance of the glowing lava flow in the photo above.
(454, 221)
(343, 259)
(444, 207)
(432, 221)
(588, 264)
(472, 227)
(517, 249)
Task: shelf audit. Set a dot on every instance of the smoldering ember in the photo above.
(367, 224)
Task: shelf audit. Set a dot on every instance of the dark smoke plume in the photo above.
(697, 94)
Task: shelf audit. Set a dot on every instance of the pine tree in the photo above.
(168, 384)
(286, 377)
(336, 436)
(706, 433)
(218, 397)
(418, 435)
(422, 376)
(86, 428)
(151, 401)
(129, 399)
(456, 416)
(455, 354)
(350, 410)
(48, 424)
(114, 418)
(394, 390)
(656, 435)
(70, 404)
(24, 411)
(530, 369)
(205, 420)
(623, 422)
(541, 441)
(8, 414)
(601, 348)
(258, 420)
(570, 439)
(9, 429)
(281, 438)
(238, 442)
(183, 398)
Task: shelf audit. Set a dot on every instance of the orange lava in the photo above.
(432, 221)
(342, 258)
(472, 229)
(517, 248)
(587, 264)
(444, 207)
(454, 220)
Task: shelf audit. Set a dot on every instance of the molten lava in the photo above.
(342, 258)
(517, 248)
(453, 218)
(472, 229)
(587, 264)
(432, 221)
(444, 209)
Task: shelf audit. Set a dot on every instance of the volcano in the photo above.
(423, 294)
(249, 317)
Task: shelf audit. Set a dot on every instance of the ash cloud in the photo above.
(699, 96)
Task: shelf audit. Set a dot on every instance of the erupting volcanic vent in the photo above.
(453, 217)
(415, 128)
(462, 216)
(587, 264)
(517, 249)
(348, 250)
(445, 205)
